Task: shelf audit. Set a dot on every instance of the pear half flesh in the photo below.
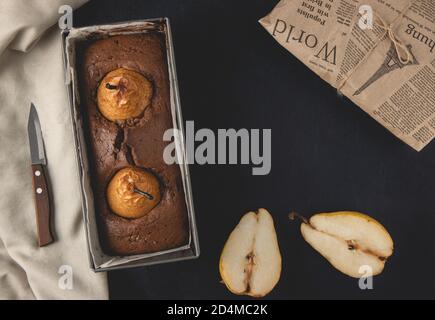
(250, 263)
(350, 241)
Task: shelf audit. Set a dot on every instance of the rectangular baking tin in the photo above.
(99, 261)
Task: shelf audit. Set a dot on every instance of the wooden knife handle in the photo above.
(42, 205)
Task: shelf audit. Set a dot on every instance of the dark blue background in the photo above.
(327, 155)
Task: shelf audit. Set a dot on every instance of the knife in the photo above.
(40, 186)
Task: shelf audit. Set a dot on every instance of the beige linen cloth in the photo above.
(31, 70)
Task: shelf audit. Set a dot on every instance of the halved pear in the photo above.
(250, 263)
(349, 241)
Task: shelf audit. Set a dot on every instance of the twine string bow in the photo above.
(389, 28)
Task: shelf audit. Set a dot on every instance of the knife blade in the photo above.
(40, 185)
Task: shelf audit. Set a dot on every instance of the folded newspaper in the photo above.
(378, 53)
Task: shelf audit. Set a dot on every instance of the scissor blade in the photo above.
(37, 153)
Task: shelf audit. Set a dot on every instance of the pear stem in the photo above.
(111, 86)
(294, 215)
(145, 194)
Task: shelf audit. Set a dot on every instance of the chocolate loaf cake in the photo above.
(130, 72)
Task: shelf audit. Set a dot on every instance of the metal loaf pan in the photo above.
(99, 261)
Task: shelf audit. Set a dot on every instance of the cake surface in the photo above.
(136, 141)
